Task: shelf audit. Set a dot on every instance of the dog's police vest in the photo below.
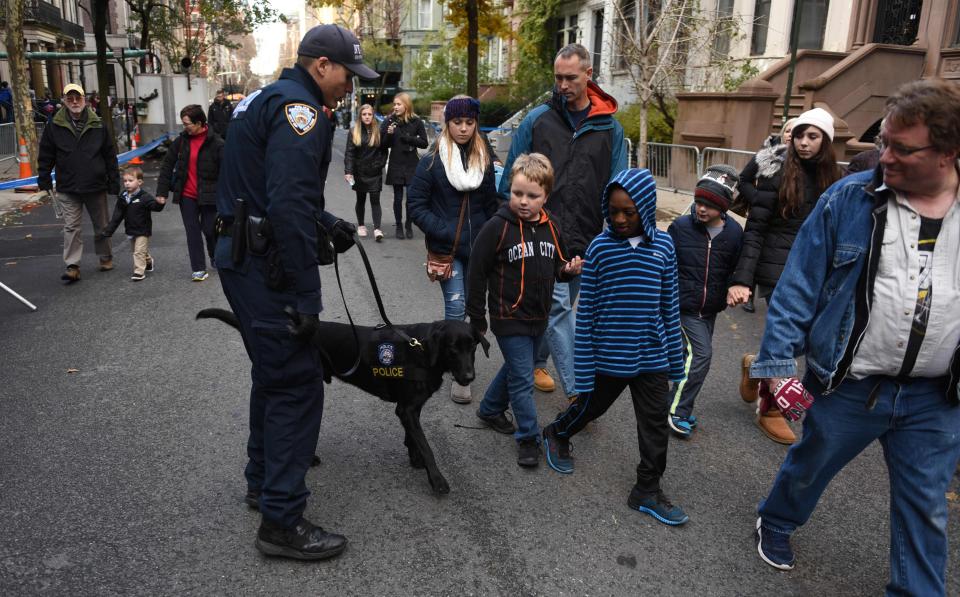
(392, 357)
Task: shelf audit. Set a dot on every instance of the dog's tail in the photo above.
(223, 315)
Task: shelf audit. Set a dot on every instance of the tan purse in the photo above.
(440, 267)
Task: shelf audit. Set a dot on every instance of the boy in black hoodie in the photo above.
(517, 257)
(133, 209)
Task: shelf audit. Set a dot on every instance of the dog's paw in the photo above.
(440, 486)
(315, 461)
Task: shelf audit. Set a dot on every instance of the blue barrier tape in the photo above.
(123, 158)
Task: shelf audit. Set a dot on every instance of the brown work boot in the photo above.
(71, 275)
(106, 264)
(774, 426)
(542, 380)
(749, 388)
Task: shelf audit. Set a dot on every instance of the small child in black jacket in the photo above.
(708, 248)
(516, 258)
(133, 209)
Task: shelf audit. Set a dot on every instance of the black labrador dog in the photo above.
(395, 371)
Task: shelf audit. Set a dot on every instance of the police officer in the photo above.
(271, 207)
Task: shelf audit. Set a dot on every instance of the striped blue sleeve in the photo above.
(584, 359)
(670, 312)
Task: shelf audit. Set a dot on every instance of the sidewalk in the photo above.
(11, 203)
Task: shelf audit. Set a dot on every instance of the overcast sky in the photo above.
(269, 37)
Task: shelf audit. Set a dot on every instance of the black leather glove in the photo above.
(342, 233)
(479, 324)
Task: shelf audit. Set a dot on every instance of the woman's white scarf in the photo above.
(462, 180)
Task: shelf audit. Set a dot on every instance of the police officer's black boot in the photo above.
(400, 234)
(304, 541)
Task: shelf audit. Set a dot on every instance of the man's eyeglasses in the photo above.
(901, 151)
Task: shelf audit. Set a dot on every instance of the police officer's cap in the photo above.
(338, 45)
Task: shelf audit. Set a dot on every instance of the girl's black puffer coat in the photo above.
(173, 172)
(403, 144)
(434, 207)
(364, 163)
(769, 235)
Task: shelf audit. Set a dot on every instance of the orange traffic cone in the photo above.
(25, 170)
(136, 161)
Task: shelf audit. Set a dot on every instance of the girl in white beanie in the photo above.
(781, 191)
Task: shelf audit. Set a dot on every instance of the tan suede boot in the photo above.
(774, 426)
(749, 388)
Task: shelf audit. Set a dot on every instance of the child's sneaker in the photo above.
(681, 427)
(557, 451)
(150, 264)
(200, 276)
(528, 452)
(774, 548)
(136, 277)
(658, 506)
(378, 235)
(692, 419)
(362, 231)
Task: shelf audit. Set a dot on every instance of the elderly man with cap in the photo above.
(77, 145)
(272, 225)
(707, 243)
(870, 297)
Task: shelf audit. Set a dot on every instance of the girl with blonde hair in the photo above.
(451, 197)
(363, 168)
(402, 133)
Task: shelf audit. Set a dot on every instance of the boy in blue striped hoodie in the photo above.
(628, 335)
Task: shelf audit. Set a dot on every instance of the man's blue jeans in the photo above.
(455, 292)
(513, 385)
(560, 332)
(920, 435)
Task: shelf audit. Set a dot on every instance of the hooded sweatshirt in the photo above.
(516, 262)
(628, 318)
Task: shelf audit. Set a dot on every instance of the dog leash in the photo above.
(412, 342)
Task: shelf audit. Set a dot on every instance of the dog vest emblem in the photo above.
(301, 117)
(386, 359)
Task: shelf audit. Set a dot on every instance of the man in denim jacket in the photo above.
(871, 296)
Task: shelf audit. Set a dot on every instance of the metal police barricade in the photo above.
(674, 167)
(738, 158)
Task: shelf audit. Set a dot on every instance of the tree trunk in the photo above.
(473, 35)
(100, 34)
(642, 142)
(22, 106)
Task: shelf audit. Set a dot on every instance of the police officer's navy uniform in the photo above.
(278, 152)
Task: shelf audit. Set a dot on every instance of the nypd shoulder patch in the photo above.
(302, 117)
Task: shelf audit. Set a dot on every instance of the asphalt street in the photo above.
(122, 446)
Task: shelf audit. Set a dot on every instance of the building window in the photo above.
(626, 29)
(425, 14)
(721, 44)
(813, 23)
(597, 41)
(566, 31)
(761, 21)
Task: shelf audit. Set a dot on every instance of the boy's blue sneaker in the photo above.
(692, 419)
(681, 427)
(657, 506)
(557, 450)
(774, 548)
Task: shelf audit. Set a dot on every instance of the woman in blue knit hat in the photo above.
(451, 197)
